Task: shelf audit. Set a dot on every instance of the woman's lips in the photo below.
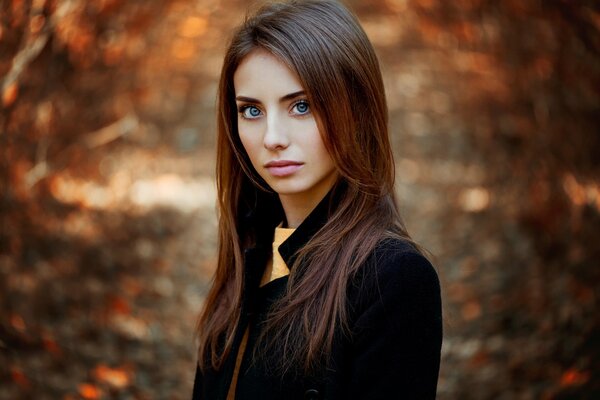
(283, 168)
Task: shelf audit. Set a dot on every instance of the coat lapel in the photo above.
(308, 228)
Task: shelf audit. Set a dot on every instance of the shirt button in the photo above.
(311, 394)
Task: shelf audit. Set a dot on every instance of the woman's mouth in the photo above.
(282, 168)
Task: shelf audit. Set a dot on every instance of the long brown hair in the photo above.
(323, 43)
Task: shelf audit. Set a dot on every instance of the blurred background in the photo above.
(107, 196)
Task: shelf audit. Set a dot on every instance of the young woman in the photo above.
(319, 291)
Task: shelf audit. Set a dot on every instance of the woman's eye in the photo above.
(250, 112)
(301, 108)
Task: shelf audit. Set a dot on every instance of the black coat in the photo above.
(395, 320)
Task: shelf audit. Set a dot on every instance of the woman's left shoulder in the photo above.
(397, 259)
(395, 324)
(396, 271)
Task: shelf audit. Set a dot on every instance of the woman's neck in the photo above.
(298, 206)
(295, 212)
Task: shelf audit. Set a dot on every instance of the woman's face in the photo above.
(279, 132)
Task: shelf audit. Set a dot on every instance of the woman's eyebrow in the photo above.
(291, 96)
(285, 98)
(247, 99)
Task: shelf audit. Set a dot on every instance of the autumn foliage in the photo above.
(107, 223)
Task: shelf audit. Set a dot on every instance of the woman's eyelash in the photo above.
(243, 111)
(304, 104)
(300, 107)
(244, 108)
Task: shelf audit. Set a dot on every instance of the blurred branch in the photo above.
(31, 48)
(111, 132)
(23, 58)
(90, 140)
(40, 170)
(582, 21)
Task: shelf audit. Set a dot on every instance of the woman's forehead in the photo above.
(260, 72)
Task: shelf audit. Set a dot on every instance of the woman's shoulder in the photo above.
(398, 270)
(395, 324)
(399, 258)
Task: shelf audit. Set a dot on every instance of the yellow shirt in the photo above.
(276, 267)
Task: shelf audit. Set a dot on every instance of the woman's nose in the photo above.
(276, 135)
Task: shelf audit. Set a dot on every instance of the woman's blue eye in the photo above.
(250, 112)
(301, 108)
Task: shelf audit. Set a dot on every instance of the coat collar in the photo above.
(265, 217)
(306, 230)
(267, 214)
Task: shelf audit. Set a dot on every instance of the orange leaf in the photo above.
(115, 377)
(120, 306)
(193, 27)
(19, 377)
(10, 95)
(573, 377)
(89, 391)
(18, 323)
(51, 346)
(471, 310)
